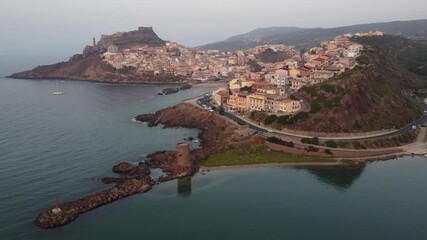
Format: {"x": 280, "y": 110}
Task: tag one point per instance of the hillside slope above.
{"x": 304, "y": 38}
{"x": 369, "y": 98}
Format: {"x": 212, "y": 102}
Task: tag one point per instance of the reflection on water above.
{"x": 339, "y": 177}
{"x": 184, "y": 186}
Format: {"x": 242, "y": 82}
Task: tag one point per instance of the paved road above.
{"x": 290, "y": 136}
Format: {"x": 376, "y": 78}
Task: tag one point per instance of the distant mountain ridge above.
{"x": 308, "y": 37}
{"x": 264, "y": 32}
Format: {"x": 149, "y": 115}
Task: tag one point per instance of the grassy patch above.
{"x": 258, "y": 155}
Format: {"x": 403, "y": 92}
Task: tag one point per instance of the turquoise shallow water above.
{"x": 60, "y": 146}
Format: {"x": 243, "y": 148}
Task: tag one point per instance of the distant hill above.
{"x": 304, "y": 38}
{"x": 264, "y": 32}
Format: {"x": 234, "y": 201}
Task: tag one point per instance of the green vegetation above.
{"x": 363, "y": 60}
{"x": 245, "y": 89}
{"x": 315, "y": 106}
{"x": 328, "y": 151}
{"x": 258, "y": 117}
{"x": 276, "y": 121}
{"x": 313, "y": 141}
{"x": 312, "y": 149}
{"x": 257, "y": 155}
{"x": 331, "y": 144}
{"x": 410, "y": 56}
{"x": 293, "y": 97}
{"x": 280, "y": 142}
{"x": 395, "y": 141}
{"x": 324, "y": 96}
{"x": 270, "y": 119}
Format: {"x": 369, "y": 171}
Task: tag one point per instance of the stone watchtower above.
{"x": 183, "y": 155}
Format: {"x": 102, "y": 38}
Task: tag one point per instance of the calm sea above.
{"x": 60, "y": 146}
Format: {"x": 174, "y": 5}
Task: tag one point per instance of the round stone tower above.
{"x": 183, "y": 154}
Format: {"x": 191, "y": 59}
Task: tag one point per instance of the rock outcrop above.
{"x": 217, "y": 135}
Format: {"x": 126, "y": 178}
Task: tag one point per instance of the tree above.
{"x": 331, "y": 144}
{"x": 270, "y": 119}
{"x": 315, "y": 106}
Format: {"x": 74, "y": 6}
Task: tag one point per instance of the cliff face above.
{"x": 89, "y": 65}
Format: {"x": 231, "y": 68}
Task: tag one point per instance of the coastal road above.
{"x": 291, "y": 136}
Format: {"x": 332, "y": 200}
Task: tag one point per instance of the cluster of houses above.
{"x": 266, "y": 87}
{"x": 271, "y": 91}
{"x": 193, "y": 64}
{"x": 243, "y": 96}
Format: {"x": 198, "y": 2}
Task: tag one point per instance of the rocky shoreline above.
{"x": 216, "y": 135}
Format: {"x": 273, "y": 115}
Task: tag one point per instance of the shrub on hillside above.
{"x": 331, "y": 144}
{"x": 279, "y": 141}
{"x": 313, "y": 141}
{"x": 270, "y": 119}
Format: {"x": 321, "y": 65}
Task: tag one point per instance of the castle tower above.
{"x": 94, "y": 42}
{"x": 183, "y": 154}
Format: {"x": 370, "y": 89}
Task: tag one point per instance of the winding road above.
{"x": 291, "y": 136}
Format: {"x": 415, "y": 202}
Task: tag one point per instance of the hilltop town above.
{"x": 263, "y": 78}
{"x": 273, "y": 89}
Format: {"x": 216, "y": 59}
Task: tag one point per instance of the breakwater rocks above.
{"x": 133, "y": 179}
{"x": 168, "y": 91}
{"x": 69, "y": 211}
{"x": 185, "y": 87}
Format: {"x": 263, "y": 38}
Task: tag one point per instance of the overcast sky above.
{"x": 64, "y": 26}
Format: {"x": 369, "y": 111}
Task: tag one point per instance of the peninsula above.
{"x": 356, "y": 98}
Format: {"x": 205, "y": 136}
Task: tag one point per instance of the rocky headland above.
{"x": 217, "y": 134}
{"x": 89, "y": 65}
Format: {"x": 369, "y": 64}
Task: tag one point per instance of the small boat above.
{"x": 57, "y": 92}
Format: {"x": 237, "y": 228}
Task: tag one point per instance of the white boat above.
{"x": 57, "y": 92}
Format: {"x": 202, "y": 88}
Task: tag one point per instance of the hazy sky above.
{"x": 64, "y": 26}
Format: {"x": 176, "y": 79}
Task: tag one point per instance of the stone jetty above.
{"x": 69, "y": 211}
{"x": 133, "y": 179}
